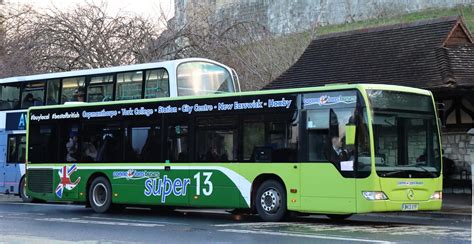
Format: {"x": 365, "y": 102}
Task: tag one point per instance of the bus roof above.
{"x": 332, "y": 87}
{"x": 48, "y": 76}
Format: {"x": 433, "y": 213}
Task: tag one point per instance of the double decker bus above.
{"x": 183, "y": 77}
{"x": 335, "y": 150}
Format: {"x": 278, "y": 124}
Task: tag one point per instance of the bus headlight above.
{"x": 374, "y": 195}
{"x": 437, "y": 195}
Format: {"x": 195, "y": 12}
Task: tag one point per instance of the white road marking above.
{"x": 84, "y": 221}
{"x": 136, "y": 220}
{"x": 389, "y": 229}
{"x": 41, "y": 204}
{"x": 261, "y": 232}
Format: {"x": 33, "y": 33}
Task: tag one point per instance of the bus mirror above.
{"x": 350, "y": 134}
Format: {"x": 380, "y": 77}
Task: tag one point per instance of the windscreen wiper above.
{"x": 432, "y": 174}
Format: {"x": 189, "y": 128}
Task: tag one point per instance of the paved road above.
{"x": 62, "y": 223}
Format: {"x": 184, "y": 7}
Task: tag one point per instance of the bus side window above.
{"x": 177, "y": 142}
{"x": 16, "y": 148}
{"x": 42, "y": 144}
{"x": 143, "y": 143}
{"x": 216, "y": 139}
{"x": 270, "y": 138}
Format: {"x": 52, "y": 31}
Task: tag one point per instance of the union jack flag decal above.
{"x": 65, "y": 179}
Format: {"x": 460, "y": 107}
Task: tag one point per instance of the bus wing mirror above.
{"x": 350, "y": 134}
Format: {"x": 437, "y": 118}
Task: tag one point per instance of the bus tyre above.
{"x": 270, "y": 201}
{"x": 338, "y": 217}
{"x": 22, "y": 191}
{"x": 100, "y": 195}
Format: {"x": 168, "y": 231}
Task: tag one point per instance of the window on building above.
{"x": 10, "y": 96}
{"x": 16, "y": 148}
{"x": 216, "y": 139}
{"x": 156, "y": 83}
{"x": 100, "y": 88}
{"x": 73, "y": 90}
{"x": 129, "y": 85}
{"x": 32, "y": 94}
{"x": 52, "y": 91}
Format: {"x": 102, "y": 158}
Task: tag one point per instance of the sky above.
{"x": 147, "y": 8}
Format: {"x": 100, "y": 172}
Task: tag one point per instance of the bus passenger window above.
{"x": 177, "y": 144}
{"x": 42, "y": 144}
{"x": 73, "y": 89}
{"x": 156, "y": 83}
{"x": 52, "y": 92}
{"x": 100, "y": 89}
{"x": 9, "y": 96}
{"x": 16, "y": 148}
{"x": 32, "y": 94}
{"x": 101, "y": 143}
{"x": 254, "y": 138}
{"x": 129, "y": 85}
{"x": 143, "y": 144}
{"x": 270, "y": 138}
{"x": 216, "y": 139}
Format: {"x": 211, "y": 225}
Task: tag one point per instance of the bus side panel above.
{"x": 289, "y": 173}
{"x": 325, "y": 190}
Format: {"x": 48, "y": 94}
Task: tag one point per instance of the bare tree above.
{"x": 86, "y": 37}
{"x": 258, "y": 55}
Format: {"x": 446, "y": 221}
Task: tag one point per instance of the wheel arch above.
{"x": 258, "y": 181}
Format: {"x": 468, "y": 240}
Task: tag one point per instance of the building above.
{"x": 435, "y": 54}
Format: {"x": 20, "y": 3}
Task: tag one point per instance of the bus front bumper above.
{"x": 398, "y": 206}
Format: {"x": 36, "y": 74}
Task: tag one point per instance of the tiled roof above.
{"x": 414, "y": 54}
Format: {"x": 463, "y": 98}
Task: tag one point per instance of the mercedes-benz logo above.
{"x": 410, "y": 194}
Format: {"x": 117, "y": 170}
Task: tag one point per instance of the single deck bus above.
{"x": 335, "y": 150}
{"x": 182, "y": 77}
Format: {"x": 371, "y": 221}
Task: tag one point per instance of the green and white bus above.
{"x": 334, "y": 150}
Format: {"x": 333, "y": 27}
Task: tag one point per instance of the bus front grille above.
{"x": 40, "y": 180}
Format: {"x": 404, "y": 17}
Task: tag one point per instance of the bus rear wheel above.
{"x": 100, "y": 195}
{"x": 270, "y": 201}
{"x": 22, "y": 191}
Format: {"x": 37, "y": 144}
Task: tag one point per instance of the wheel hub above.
{"x": 270, "y": 201}
{"x": 99, "y": 195}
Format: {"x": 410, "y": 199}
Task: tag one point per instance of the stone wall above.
{"x": 457, "y": 147}
{"x": 289, "y": 16}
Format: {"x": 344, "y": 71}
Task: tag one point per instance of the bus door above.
{"x": 175, "y": 154}
{"x": 327, "y": 170}
{"x": 14, "y": 167}
{"x": 3, "y": 160}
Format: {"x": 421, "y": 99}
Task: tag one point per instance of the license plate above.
{"x": 409, "y": 207}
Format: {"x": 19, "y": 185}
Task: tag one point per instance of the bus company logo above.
{"x": 410, "y": 194}
{"x": 410, "y": 183}
{"x": 65, "y": 182}
{"x": 133, "y": 174}
{"x": 326, "y": 100}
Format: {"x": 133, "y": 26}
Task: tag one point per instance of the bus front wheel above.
{"x": 100, "y": 195}
{"x": 22, "y": 191}
{"x": 270, "y": 201}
